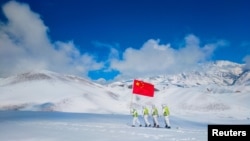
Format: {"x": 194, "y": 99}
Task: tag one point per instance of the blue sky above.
{"x": 117, "y": 39}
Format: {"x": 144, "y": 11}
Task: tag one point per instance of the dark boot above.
{"x": 167, "y": 127}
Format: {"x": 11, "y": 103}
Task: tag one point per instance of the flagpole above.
{"x": 131, "y": 101}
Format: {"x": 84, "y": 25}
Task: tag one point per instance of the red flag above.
{"x": 143, "y": 88}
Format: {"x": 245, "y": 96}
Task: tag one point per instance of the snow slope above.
{"x": 49, "y": 91}
{"x": 217, "y": 88}
{"x": 57, "y": 126}
{"x": 52, "y": 126}
{"x": 67, "y": 107}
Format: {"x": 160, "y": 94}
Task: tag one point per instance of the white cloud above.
{"x": 154, "y": 58}
{"x": 24, "y": 45}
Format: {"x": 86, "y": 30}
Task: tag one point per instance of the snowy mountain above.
{"x": 218, "y": 88}
{"x": 50, "y": 91}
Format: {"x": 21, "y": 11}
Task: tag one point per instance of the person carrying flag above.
{"x": 155, "y": 115}
{"x": 135, "y": 118}
{"x": 145, "y": 113}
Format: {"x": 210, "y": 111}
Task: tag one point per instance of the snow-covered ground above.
{"x": 58, "y": 126}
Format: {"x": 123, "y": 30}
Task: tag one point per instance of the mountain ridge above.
{"x": 44, "y": 90}
{"x": 223, "y": 73}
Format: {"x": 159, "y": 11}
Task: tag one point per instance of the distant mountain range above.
{"x": 188, "y": 91}
{"x": 219, "y": 73}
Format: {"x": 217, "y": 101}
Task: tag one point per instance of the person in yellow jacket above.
{"x": 155, "y": 116}
{"x": 135, "y": 118}
{"x": 166, "y": 113}
{"x": 145, "y": 113}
